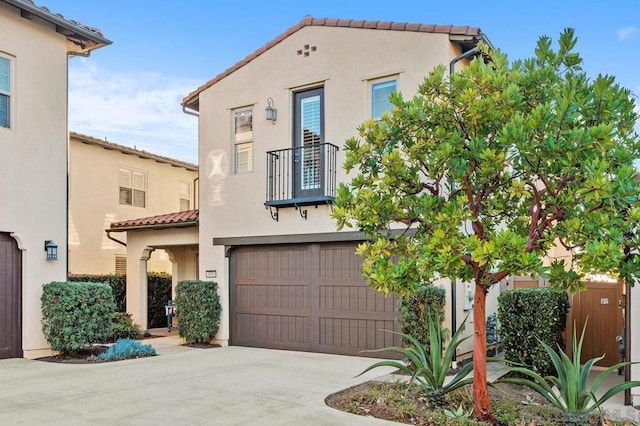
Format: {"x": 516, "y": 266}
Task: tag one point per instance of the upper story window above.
{"x": 185, "y": 196}
{"x": 380, "y": 92}
{"x": 133, "y": 187}
{"x": 243, "y": 140}
{"x": 5, "y": 91}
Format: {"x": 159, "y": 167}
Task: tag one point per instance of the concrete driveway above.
{"x": 183, "y": 386}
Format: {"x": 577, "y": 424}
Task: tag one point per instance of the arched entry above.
{"x": 10, "y": 298}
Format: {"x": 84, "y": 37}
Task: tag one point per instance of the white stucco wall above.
{"x": 94, "y": 204}
{"x": 344, "y": 62}
{"x": 34, "y": 160}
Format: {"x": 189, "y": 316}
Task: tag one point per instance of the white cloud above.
{"x": 627, "y": 33}
{"x": 141, "y": 109}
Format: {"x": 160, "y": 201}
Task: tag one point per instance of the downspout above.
{"x": 470, "y": 52}
{"x": 190, "y": 112}
{"x": 109, "y": 231}
{"x": 81, "y": 54}
{"x": 196, "y": 181}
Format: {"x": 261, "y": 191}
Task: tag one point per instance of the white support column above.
{"x": 137, "y": 287}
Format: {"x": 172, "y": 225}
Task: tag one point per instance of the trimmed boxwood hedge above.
{"x": 416, "y": 310}
{"x": 198, "y": 309}
{"x": 158, "y": 293}
{"x": 76, "y": 314}
{"x": 528, "y": 316}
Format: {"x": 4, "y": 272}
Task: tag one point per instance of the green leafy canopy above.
{"x": 484, "y": 172}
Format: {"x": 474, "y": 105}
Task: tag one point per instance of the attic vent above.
{"x": 306, "y": 50}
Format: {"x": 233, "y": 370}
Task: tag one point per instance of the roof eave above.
{"x": 188, "y": 224}
{"x": 82, "y": 37}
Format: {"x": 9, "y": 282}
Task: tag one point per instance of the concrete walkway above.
{"x": 188, "y": 386}
{"x": 183, "y": 386}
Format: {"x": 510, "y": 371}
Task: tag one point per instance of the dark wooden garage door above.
{"x": 308, "y": 297}
{"x": 10, "y": 298}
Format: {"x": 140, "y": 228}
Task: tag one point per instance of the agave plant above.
{"x": 428, "y": 366}
{"x": 569, "y": 391}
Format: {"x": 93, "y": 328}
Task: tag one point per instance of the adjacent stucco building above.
{"x": 110, "y": 182}
{"x": 35, "y": 46}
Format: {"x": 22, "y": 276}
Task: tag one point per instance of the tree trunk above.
{"x": 482, "y": 407}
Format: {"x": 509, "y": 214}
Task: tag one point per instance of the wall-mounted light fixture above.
{"x": 52, "y": 249}
{"x": 272, "y": 113}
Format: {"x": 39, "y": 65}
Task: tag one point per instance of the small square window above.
{"x": 243, "y": 140}
{"x": 121, "y": 265}
{"x": 244, "y": 157}
{"x": 380, "y": 102}
{"x": 133, "y": 187}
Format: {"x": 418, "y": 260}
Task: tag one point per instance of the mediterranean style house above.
{"x": 35, "y": 46}
{"x": 109, "y": 182}
{"x": 271, "y": 129}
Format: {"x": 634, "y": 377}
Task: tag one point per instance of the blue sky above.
{"x": 130, "y": 92}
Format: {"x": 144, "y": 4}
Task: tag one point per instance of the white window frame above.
{"x": 10, "y": 93}
{"x": 136, "y": 189}
{"x": 185, "y": 195}
{"x": 242, "y": 142}
{"x": 372, "y": 87}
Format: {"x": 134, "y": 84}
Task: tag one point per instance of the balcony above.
{"x": 301, "y": 176}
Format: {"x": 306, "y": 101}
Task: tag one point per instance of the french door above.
{"x": 308, "y": 136}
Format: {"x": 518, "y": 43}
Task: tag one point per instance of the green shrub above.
{"x": 75, "y": 315}
{"x": 527, "y": 318}
{"x": 118, "y": 285}
{"x": 415, "y": 311}
{"x": 198, "y": 309}
{"x": 124, "y": 327}
{"x": 125, "y": 349}
{"x": 158, "y": 293}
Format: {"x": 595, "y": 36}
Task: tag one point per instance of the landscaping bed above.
{"x": 513, "y": 405}
{"x": 79, "y": 357}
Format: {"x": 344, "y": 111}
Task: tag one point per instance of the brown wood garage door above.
{"x": 308, "y": 297}
{"x": 10, "y": 298}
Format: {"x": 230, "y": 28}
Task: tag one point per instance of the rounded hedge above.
{"x": 76, "y": 314}
{"x": 198, "y": 310}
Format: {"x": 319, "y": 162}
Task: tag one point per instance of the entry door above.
{"x": 10, "y": 298}
{"x": 308, "y": 135}
{"x": 600, "y": 306}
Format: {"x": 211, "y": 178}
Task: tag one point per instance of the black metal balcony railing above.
{"x": 301, "y": 176}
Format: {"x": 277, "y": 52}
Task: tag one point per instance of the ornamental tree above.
{"x": 480, "y": 174}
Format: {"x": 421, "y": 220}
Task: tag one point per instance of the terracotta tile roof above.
{"x": 132, "y": 151}
{"x": 83, "y": 35}
{"x": 178, "y": 219}
{"x": 309, "y": 21}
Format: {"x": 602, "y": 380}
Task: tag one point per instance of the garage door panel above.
{"x": 320, "y": 285}
{"x": 283, "y": 331}
{"x": 271, "y": 296}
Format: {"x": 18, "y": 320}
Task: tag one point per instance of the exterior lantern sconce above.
{"x": 52, "y": 250}
{"x": 272, "y": 113}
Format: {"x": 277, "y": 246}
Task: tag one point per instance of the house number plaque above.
{"x": 604, "y": 301}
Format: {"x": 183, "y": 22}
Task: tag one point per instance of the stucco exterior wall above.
{"x": 34, "y": 160}
{"x": 94, "y": 204}
{"x": 342, "y": 60}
